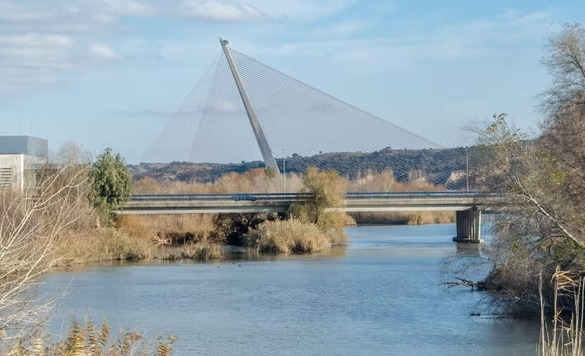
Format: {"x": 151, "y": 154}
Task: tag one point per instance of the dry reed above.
{"x": 566, "y": 335}
{"x": 92, "y": 340}
{"x": 287, "y": 236}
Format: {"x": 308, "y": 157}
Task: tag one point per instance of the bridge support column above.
{"x": 468, "y": 226}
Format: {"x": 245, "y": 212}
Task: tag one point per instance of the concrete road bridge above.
{"x": 466, "y": 205}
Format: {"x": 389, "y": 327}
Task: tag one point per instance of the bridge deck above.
{"x": 258, "y": 203}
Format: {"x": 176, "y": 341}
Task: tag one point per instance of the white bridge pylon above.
{"x": 267, "y": 156}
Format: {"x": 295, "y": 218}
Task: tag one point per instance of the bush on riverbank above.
{"x": 287, "y": 236}
{"x": 171, "y": 230}
{"x": 327, "y": 190}
{"x": 107, "y": 244}
{"x": 200, "y": 251}
{"x": 333, "y": 224}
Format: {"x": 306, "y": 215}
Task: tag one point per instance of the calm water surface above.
{"x": 380, "y": 295}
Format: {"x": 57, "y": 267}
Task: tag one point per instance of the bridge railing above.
{"x": 300, "y": 196}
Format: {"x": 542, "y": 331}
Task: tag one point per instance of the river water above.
{"x": 380, "y": 295}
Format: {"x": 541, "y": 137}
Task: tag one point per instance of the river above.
{"x": 380, "y": 295}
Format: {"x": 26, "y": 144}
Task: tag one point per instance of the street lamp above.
{"x": 467, "y": 167}
{"x": 283, "y": 173}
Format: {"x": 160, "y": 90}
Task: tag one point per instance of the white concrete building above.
{"x": 20, "y": 158}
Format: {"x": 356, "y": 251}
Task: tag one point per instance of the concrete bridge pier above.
{"x": 468, "y": 226}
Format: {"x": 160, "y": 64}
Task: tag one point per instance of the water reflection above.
{"x": 468, "y": 250}
{"x": 235, "y": 254}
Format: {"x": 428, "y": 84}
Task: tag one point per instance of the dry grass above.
{"x": 386, "y": 182}
{"x": 333, "y": 226}
{"x": 253, "y": 181}
{"x": 287, "y": 236}
{"x": 105, "y": 244}
{"x": 170, "y": 229}
{"x": 430, "y": 217}
{"x": 410, "y": 218}
{"x": 257, "y": 181}
{"x": 200, "y": 251}
{"x": 91, "y": 340}
{"x": 566, "y": 335}
{"x": 143, "y": 238}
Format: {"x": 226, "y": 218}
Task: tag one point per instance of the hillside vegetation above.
{"x": 443, "y": 167}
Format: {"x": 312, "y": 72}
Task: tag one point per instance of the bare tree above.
{"x": 540, "y": 225}
{"x": 32, "y": 228}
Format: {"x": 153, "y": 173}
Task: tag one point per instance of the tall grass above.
{"x": 142, "y": 238}
{"x": 176, "y": 229}
{"x": 106, "y": 244}
{"x": 565, "y": 338}
{"x": 253, "y": 181}
{"x": 174, "y": 237}
{"x": 91, "y": 340}
{"x": 287, "y": 236}
{"x": 406, "y": 218}
{"x": 386, "y": 182}
{"x": 258, "y": 181}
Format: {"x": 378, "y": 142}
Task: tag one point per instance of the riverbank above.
{"x": 202, "y": 237}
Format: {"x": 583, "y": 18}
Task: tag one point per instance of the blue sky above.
{"x": 108, "y": 73}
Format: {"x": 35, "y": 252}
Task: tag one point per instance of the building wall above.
{"x": 27, "y": 145}
{"x": 18, "y": 170}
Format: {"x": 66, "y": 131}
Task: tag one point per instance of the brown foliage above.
{"x": 253, "y": 181}
{"x": 32, "y": 226}
{"x": 541, "y": 223}
{"x": 287, "y": 236}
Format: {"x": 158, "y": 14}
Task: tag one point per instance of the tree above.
{"x": 71, "y": 153}
{"x": 541, "y": 225}
{"x": 111, "y": 182}
{"x": 326, "y": 188}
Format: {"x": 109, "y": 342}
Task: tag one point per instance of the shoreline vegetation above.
{"x": 201, "y": 236}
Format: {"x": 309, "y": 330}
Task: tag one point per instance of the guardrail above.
{"x": 300, "y": 196}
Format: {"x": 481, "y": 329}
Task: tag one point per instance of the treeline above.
{"x": 444, "y": 167}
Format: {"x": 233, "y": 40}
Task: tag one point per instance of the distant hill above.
{"x": 443, "y": 167}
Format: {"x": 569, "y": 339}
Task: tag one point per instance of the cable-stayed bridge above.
{"x": 244, "y": 110}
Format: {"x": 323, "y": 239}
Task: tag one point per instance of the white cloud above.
{"x": 15, "y": 12}
{"x": 101, "y": 52}
{"x": 302, "y": 10}
{"x": 41, "y": 42}
{"x": 221, "y": 11}
{"x": 35, "y": 60}
{"x": 129, "y": 7}
{"x": 449, "y": 42}
{"x": 36, "y": 40}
